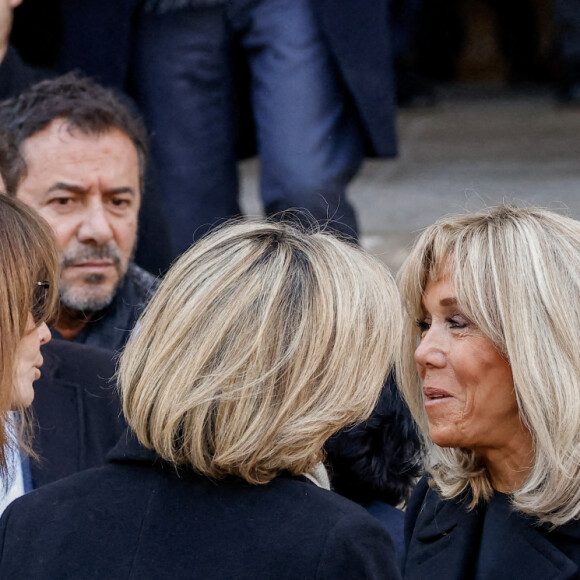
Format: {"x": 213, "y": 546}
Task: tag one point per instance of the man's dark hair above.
{"x": 82, "y": 103}
{"x": 11, "y": 162}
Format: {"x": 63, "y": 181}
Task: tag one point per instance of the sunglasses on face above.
{"x": 41, "y": 292}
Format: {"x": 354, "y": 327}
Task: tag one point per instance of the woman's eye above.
{"x": 423, "y": 325}
{"x": 457, "y": 322}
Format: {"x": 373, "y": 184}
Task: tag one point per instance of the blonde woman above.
{"x": 491, "y": 372}
{"x": 261, "y": 342}
{"x": 28, "y": 293}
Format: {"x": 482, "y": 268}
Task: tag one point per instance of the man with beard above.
{"x": 83, "y": 165}
{"x": 76, "y": 409}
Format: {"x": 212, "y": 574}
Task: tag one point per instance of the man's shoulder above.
{"x": 77, "y": 362}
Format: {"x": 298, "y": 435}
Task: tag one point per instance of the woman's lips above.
{"x": 435, "y": 396}
{"x": 37, "y": 366}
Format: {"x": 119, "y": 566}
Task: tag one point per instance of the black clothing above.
{"x": 76, "y": 410}
{"x": 139, "y": 517}
{"x": 492, "y": 541}
{"x": 16, "y": 76}
{"x": 378, "y": 462}
{"x": 379, "y": 459}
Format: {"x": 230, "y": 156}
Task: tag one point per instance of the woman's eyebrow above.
{"x": 448, "y": 301}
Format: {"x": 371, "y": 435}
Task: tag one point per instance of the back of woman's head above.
{"x": 516, "y": 273}
{"x": 28, "y": 255}
{"x": 260, "y": 343}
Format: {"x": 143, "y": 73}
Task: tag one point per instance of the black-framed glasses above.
{"x": 41, "y": 292}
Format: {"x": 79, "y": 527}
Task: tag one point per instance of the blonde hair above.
{"x": 28, "y": 255}
{"x": 261, "y": 342}
{"x": 516, "y": 273}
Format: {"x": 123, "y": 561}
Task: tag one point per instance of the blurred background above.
{"x": 488, "y": 94}
{"x": 480, "y": 121}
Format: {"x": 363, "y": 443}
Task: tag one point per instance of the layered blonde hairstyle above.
{"x": 516, "y": 273}
{"x": 28, "y": 255}
{"x": 261, "y": 342}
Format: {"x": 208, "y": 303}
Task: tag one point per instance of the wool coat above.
{"x": 77, "y": 412}
{"x": 444, "y": 541}
{"x": 141, "y": 518}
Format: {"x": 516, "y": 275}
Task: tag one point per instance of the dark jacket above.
{"x": 446, "y": 541}
{"x": 76, "y": 409}
{"x": 378, "y": 462}
{"x": 379, "y": 459}
{"x": 360, "y": 40}
{"x": 140, "y": 518}
{"x": 16, "y": 76}
{"x": 110, "y": 328}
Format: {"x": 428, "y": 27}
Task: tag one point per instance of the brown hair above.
{"x": 28, "y": 254}
{"x": 82, "y": 103}
{"x": 12, "y": 164}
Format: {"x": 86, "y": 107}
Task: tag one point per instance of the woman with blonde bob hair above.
{"x": 491, "y": 373}
{"x": 261, "y": 342}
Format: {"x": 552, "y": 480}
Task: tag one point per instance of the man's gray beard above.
{"x": 77, "y": 299}
{"x": 82, "y": 299}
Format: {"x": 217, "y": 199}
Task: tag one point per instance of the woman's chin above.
{"x": 22, "y": 398}
{"x": 444, "y": 439}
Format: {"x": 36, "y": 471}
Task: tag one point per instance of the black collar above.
{"x": 446, "y": 542}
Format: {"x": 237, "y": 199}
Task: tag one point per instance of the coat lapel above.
{"x": 517, "y": 547}
{"x": 443, "y": 540}
{"x": 446, "y": 543}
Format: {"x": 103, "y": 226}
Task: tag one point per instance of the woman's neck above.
{"x": 508, "y": 465}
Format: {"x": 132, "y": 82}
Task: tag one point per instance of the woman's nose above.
{"x": 431, "y": 351}
{"x": 44, "y": 333}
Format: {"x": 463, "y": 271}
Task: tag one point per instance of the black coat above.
{"x": 77, "y": 411}
{"x": 360, "y": 40}
{"x": 16, "y": 76}
{"x": 139, "y": 518}
{"x": 443, "y": 542}
{"x": 378, "y": 462}
{"x": 379, "y": 459}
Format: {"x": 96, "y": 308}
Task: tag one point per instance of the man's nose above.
{"x": 431, "y": 351}
{"x": 95, "y": 226}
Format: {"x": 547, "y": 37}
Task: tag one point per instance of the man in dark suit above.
{"x": 56, "y": 37}
{"x": 322, "y": 95}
